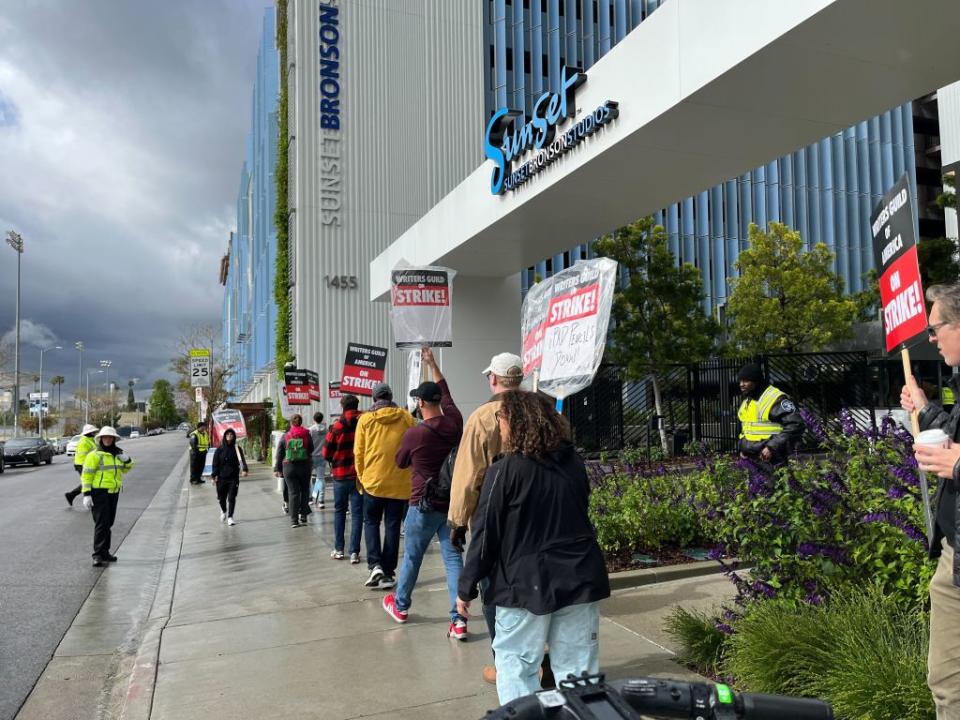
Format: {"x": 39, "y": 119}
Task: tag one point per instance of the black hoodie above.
{"x": 532, "y": 536}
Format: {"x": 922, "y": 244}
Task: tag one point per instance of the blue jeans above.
{"x": 573, "y": 633}
{"x": 420, "y": 529}
{"x": 320, "y": 482}
{"x": 389, "y": 511}
{"x": 345, "y": 491}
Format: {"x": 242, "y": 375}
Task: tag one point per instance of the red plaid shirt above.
{"x": 338, "y": 447}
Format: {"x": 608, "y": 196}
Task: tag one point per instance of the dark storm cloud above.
{"x": 122, "y": 128}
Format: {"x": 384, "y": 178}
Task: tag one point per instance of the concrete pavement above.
{"x": 257, "y": 620}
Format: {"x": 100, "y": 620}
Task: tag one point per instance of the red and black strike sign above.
{"x": 363, "y": 369}
{"x": 313, "y": 385}
{"x": 574, "y": 304}
{"x": 894, "y": 242}
{"x": 421, "y": 307}
{"x": 297, "y": 386}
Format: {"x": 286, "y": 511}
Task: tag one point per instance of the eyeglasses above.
{"x": 932, "y": 329}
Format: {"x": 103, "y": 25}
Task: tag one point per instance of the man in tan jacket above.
{"x": 479, "y": 447}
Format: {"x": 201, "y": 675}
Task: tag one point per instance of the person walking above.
{"x": 199, "y": 444}
{"x": 943, "y": 660}
{"x": 386, "y": 487}
{"x": 101, "y": 481}
{"x": 770, "y": 424}
{"x": 84, "y": 446}
{"x": 318, "y": 433}
{"x": 480, "y": 445}
{"x": 533, "y": 540}
{"x": 293, "y": 465}
{"x": 426, "y": 448}
{"x": 338, "y": 451}
{"x": 229, "y": 465}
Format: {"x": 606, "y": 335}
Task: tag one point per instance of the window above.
{"x": 509, "y": 59}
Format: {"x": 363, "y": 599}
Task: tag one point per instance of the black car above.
{"x": 21, "y": 451}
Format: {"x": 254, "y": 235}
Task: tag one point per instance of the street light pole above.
{"x": 15, "y": 241}
{"x": 86, "y": 412}
{"x": 40, "y": 413}
{"x": 106, "y": 364}
{"x": 79, "y": 347}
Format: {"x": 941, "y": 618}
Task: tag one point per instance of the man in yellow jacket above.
{"x": 385, "y": 487}
{"x": 101, "y": 480}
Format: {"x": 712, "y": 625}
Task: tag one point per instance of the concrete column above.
{"x": 486, "y": 321}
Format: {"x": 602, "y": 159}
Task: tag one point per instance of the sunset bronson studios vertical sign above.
{"x": 508, "y": 139}
{"x": 331, "y": 115}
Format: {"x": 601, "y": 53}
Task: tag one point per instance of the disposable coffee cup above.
{"x": 933, "y": 438}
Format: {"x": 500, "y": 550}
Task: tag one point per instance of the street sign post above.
{"x": 200, "y": 367}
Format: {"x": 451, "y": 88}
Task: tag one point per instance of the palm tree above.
{"x": 57, "y": 382}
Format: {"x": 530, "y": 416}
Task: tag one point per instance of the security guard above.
{"x": 199, "y": 444}
{"x": 84, "y": 447}
{"x": 770, "y": 424}
{"x": 102, "y": 480}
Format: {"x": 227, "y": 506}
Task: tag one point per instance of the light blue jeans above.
{"x": 320, "y": 482}
{"x": 573, "y": 634}
{"x": 420, "y": 529}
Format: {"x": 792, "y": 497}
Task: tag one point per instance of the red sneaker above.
{"x": 458, "y": 630}
{"x": 390, "y": 607}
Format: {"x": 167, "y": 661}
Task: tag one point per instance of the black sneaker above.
{"x": 294, "y": 524}
{"x": 386, "y": 582}
{"x": 303, "y": 519}
{"x": 70, "y": 498}
{"x": 374, "y": 580}
{"x": 99, "y": 562}
{"x": 110, "y": 558}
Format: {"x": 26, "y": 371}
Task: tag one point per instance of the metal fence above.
{"x": 700, "y": 402}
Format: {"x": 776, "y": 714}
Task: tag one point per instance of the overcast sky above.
{"x": 122, "y": 127}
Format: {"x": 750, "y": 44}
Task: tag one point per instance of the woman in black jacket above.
{"x": 532, "y": 538}
{"x": 229, "y": 465}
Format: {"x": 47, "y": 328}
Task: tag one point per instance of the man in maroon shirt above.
{"x": 425, "y": 447}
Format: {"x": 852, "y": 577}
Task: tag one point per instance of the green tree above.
{"x": 789, "y": 300}
{"x": 131, "y": 400}
{"x": 658, "y": 310}
{"x": 163, "y": 410}
{"x": 203, "y": 336}
{"x": 938, "y": 256}
{"x": 281, "y": 217}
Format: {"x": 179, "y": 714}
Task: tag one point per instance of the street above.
{"x": 45, "y": 570}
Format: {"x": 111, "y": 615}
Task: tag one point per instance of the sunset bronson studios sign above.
{"x": 507, "y": 140}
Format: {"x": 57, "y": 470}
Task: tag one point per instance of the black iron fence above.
{"x": 699, "y": 402}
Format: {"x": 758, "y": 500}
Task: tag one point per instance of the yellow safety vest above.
{"x": 104, "y": 471}
{"x": 85, "y": 446}
{"x": 203, "y": 441}
{"x": 755, "y": 416}
{"x": 947, "y": 396}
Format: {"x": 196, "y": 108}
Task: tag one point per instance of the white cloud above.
{"x": 32, "y": 333}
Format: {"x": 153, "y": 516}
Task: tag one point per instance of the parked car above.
{"x": 23, "y": 451}
{"x": 72, "y": 445}
{"x": 134, "y": 434}
{"x": 59, "y": 444}
{"x": 155, "y": 431}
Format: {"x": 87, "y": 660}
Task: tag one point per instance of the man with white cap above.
{"x": 101, "y": 480}
{"x": 84, "y": 446}
{"x": 479, "y": 447}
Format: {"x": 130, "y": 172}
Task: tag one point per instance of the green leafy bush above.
{"x": 702, "y": 643}
{"x": 862, "y": 651}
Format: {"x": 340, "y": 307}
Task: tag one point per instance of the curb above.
{"x": 137, "y": 700}
{"x": 651, "y": 576}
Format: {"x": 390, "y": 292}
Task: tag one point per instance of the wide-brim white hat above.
{"x": 106, "y": 430}
{"x": 88, "y": 428}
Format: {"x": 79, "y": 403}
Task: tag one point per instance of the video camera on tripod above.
{"x": 590, "y": 697}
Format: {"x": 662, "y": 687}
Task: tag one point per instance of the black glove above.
{"x": 458, "y": 536}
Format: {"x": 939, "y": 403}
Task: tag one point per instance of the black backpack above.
{"x": 436, "y": 491}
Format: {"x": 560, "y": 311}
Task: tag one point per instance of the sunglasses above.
{"x": 932, "y": 329}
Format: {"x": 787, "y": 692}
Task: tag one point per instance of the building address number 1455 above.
{"x": 341, "y": 282}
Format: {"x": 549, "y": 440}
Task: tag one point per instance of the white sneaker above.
{"x": 375, "y": 574}
{"x": 284, "y": 509}
{"x": 337, "y": 554}
{"x": 231, "y": 521}
{"x": 354, "y": 558}
{"x": 223, "y": 516}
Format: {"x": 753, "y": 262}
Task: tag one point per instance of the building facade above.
{"x": 826, "y": 190}
{"x": 385, "y": 108}
{"x": 247, "y": 270}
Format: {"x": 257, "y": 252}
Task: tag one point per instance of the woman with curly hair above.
{"x": 533, "y": 540}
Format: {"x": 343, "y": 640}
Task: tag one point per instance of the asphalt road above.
{"x": 45, "y": 546}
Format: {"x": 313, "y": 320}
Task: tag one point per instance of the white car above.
{"x": 134, "y": 434}
{"x": 72, "y": 445}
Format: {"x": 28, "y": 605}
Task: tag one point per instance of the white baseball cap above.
{"x": 505, "y": 365}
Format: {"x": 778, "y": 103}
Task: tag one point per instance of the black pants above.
{"x": 296, "y": 478}
{"x": 227, "y": 494}
{"x": 104, "y": 513}
{"x": 390, "y": 512}
{"x": 197, "y": 461}
{"x": 77, "y": 490}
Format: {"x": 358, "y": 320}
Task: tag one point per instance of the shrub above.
{"x": 862, "y": 651}
{"x": 701, "y": 642}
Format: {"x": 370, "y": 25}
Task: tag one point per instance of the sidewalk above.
{"x": 263, "y": 623}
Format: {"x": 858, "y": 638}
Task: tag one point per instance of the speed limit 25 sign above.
{"x": 200, "y": 368}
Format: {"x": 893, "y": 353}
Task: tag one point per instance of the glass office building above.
{"x": 826, "y": 190}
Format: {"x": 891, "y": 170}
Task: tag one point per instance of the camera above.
{"x": 590, "y": 697}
